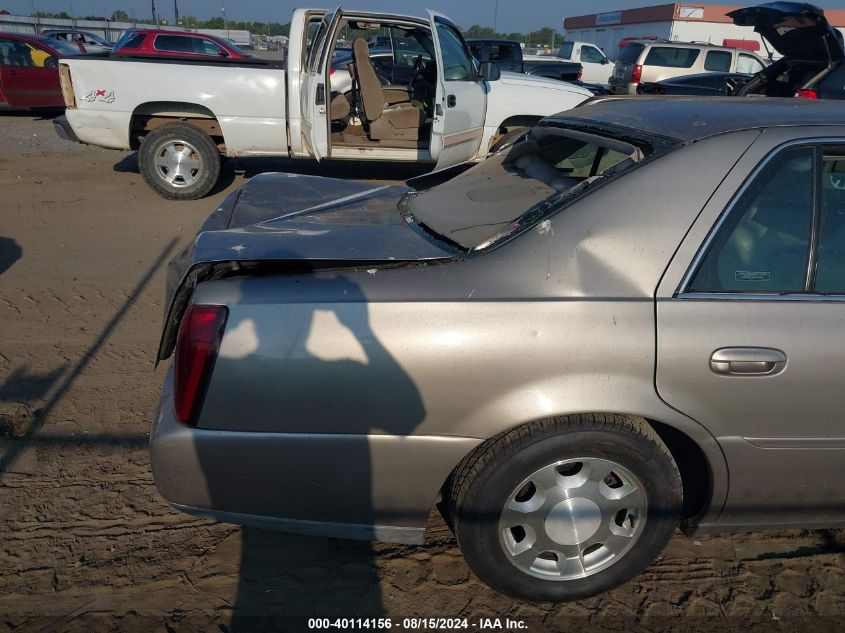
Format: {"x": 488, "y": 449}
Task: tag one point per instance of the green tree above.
{"x": 120, "y": 16}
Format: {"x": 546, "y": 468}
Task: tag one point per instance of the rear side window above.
{"x": 566, "y": 50}
{"x": 173, "y": 43}
{"x": 630, "y": 53}
{"x": 501, "y": 54}
{"x": 671, "y": 57}
{"x": 764, "y": 244}
{"x": 718, "y": 61}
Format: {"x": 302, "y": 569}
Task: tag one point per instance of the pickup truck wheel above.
{"x": 566, "y": 508}
{"x": 179, "y": 161}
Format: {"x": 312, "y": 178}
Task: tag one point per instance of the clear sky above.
{"x": 513, "y": 15}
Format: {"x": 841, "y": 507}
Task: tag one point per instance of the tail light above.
{"x": 580, "y": 73}
{"x": 636, "y": 74}
{"x": 806, "y": 94}
{"x": 196, "y": 350}
{"x": 67, "y": 86}
{"x": 331, "y": 72}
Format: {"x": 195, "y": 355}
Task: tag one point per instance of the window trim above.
{"x": 816, "y": 144}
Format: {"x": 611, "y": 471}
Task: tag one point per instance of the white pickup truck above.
{"x": 184, "y": 114}
{"x": 596, "y": 67}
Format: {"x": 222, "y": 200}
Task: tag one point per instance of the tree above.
{"x": 120, "y": 16}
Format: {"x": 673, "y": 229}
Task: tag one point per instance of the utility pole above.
{"x": 176, "y": 12}
{"x": 495, "y": 16}
{"x": 225, "y": 23}
{"x": 155, "y": 17}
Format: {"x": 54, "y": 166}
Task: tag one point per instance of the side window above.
{"x": 670, "y": 57}
{"x": 718, "y": 61}
{"x": 591, "y": 55}
{"x": 830, "y": 261}
{"x": 207, "y": 47}
{"x": 566, "y": 50}
{"x": 457, "y": 61}
{"x": 477, "y": 51}
{"x": 748, "y": 64}
{"x": 39, "y": 57}
{"x": 7, "y": 53}
{"x": 501, "y": 54}
{"x": 173, "y": 44}
{"x": 764, "y": 243}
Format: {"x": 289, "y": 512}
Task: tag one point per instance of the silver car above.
{"x": 625, "y": 322}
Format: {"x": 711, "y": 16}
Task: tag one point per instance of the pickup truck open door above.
{"x": 460, "y": 103}
{"x": 314, "y": 92}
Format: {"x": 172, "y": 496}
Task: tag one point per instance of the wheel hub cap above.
{"x": 572, "y": 518}
{"x": 178, "y": 163}
{"x": 573, "y": 521}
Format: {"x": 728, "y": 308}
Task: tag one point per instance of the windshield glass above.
{"x": 479, "y": 204}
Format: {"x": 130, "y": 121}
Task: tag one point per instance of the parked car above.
{"x": 704, "y": 84}
{"x": 91, "y": 42}
{"x": 177, "y": 44}
{"x": 29, "y": 70}
{"x": 596, "y": 66}
{"x": 651, "y": 61}
{"x": 813, "y": 52}
{"x": 572, "y": 369}
{"x": 181, "y": 116}
{"x": 507, "y": 55}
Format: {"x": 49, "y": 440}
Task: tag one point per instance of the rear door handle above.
{"x": 747, "y": 361}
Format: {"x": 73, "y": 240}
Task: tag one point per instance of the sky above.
{"x": 512, "y": 15}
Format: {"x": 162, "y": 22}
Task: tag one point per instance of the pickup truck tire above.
{"x": 179, "y": 161}
{"x": 566, "y": 508}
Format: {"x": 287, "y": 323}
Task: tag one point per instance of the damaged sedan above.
{"x": 621, "y": 323}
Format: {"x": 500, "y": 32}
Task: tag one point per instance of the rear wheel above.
{"x": 179, "y": 161}
{"x": 566, "y": 508}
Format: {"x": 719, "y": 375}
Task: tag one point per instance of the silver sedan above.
{"x": 626, "y": 321}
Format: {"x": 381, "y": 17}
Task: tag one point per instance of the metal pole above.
{"x": 34, "y": 14}
{"x": 155, "y": 17}
{"x": 495, "y": 16}
{"x": 176, "y": 12}
{"x": 225, "y": 23}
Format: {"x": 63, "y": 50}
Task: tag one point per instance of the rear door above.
{"x": 460, "y": 103}
{"x": 27, "y": 83}
{"x": 750, "y": 317}
{"x": 314, "y": 95}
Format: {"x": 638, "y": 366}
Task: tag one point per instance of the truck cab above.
{"x": 594, "y": 63}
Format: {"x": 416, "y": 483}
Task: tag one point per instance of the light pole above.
{"x": 176, "y": 12}
{"x": 495, "y": 16}
{"x": 155, "y": 17}
{"x": 225, "y": 23}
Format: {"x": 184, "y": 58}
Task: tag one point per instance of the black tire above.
{"x": 485, "y": 479}
{"x": 173, "y": 184}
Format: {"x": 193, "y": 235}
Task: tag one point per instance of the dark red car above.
{"x": 177, "y": 44}
{"x": 29, "y": 70}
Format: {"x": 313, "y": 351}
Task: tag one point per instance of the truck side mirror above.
{"x": 605, "y": 60}
{"x": 490, "y": 71}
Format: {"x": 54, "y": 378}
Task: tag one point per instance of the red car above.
{"x": 29, "y": 70}
{"x": 177, "y": 44}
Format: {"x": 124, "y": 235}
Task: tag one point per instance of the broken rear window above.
{"x": 480, "y": 204}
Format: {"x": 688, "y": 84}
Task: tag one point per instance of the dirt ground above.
{"x": 87, "y": 544}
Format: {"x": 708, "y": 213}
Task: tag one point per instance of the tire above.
{"x": 179, "y": 161}
{"x": 566, "y": 508}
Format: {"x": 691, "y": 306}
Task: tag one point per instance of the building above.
{"x": 674, "y": 22}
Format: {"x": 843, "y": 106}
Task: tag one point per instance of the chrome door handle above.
{"x": 747, "y": 361}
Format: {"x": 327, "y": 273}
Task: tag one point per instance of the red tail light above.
{"x": 196, "y": 350}
{"x": 636, "y": 74}
{"x": 580, "y": 72}
{"x": 806, "y": 94}
{"x": 331, "y": 72}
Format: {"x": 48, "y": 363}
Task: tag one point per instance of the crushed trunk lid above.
{"x": 297, "y": 223}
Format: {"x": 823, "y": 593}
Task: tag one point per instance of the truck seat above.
{"x": 384, "y": 120}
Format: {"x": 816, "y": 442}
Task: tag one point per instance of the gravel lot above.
{"x": 87, "y": 543}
